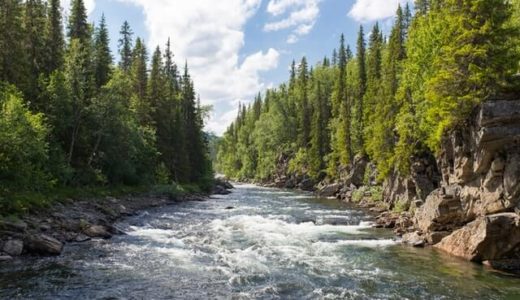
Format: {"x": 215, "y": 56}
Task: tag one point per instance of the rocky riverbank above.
{"x": 72, "y": 221}
{"x": 465, "y": 200}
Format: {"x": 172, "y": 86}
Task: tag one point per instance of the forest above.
{"x": 71, "y": 118}
{"x": 390, "y": 99}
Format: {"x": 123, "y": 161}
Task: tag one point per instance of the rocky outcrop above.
{"x": 411, "y": 191}
{"x": 492, "y": 237}
{"x": 480, "y": 187}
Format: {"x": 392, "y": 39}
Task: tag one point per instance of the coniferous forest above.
{"x": 388, "y": 98}
{"x": 71, "y": 118}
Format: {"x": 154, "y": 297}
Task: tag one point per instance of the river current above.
{"x": 256, "y": 243}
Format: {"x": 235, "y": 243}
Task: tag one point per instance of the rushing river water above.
{"x": 273, "y": 244}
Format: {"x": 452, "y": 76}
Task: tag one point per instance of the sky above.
{"x": 237, "y": 48}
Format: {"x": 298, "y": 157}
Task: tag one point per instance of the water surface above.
{"x": 256, "y": 243}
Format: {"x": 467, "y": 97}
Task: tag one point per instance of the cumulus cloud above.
{"x": 210, "y": 36}
{"x": 89, "y": 4}
{"x": 372, "y": 10}
{"x": 297, "y": 15}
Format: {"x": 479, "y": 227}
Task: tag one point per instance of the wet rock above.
{"x": 43, "y": 244}
{"x": 436, "y": 236}
{"x": 387, "y": 220}
{"x": 306, "y": 184}
{"x": 97, "y": 231}
{"x": 219, "y": 190}
{"x": 329, "y": 190}
{"x": 506, "y": 265}
{"x": 18, "y": 225}
{"x": 230, "y": 207}
{"x": 414, "y": 239}
{"x": 487, "y": 238}
{"x": 5, "y": 258}
{"x": 80, "y": 238}
{"x": 13, "y": 247}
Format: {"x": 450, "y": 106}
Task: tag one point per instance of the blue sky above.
{"x": 236, "y": 48}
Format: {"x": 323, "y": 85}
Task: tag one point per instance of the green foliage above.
{"x": 79, "y": 122}
{"x": 23, "y": 147}
{"x": 392, "y": 102}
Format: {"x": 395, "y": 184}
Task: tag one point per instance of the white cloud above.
{"x": 89, "y": 4}
{"x": 210, "y": 36}
{"x": 372, "y": 10}
{"x": 298, "y": 15}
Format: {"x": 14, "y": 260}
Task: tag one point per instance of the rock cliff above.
{"x": 478, "y": 199}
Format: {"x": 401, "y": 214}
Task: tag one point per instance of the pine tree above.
{"x": 102, "y": 55}
{"x": 359, "y": 105}
{"x": 78, "y": 27}
{"x": 139, "y": 77}
{"x": 12, "y": 53}
{"x": 304, "y": 108}
{"x": 125, "y": 47}
{"x": 34, "y": 46}
{"x": 54, "y": 38}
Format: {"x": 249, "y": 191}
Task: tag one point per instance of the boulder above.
{"x": 5, "y": 258}
{"x": 492, "y": 237}
{"x": 441, "y": 211}
{"x": 306, "y": 184}
{"x": 414, "y": 239}
{"x": 43, "y": 244}
{"x": 220, "y": 190}
{"x": 329, "y": 190}
{"x": 18, "y": 225}
{"x": 356, "y": 175}
{"x": 97, "y": 231}
{"x": 13, "y": 247}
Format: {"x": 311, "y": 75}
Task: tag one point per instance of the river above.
{"x": 257, "y": 243}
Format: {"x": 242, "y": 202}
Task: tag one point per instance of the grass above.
{"x": 16, "y": 204}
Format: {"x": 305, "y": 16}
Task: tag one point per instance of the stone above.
{"x": 506, "y": 265}
{"x": 329, "y": 190}
{"x": 306, "y": 185}
{"x": 414, "y": 239}
{"x": 512, "y": 178}
{"x": 230, "y": 207}
{"x": 13, "y": 247}
{"x": 97, "y": 231}
{"x": 80, "y": 238}
{"x": 4, "y": 258}
{"x": 219, "y": 190}
{"x": 439, "y": 213}
{"x": 13, "y": 225}
{"x": 436, "y": 236}
{"x": 492, "y": 237}
{"x": 356, "y": 175}
{"x": 43, "y": 244}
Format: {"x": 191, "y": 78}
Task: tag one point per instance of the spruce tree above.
{"x": 54, "y": 38}
{"x": 102, "y": 55}
{"x": 125, "y": 47}
{"x": 359, "y": 106}
{"x": 78, "y": 27}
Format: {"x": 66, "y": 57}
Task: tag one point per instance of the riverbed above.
{"x": 256, "y": 243}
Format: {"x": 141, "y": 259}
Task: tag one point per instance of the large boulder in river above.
{"x": 492, "y": 237}
{"x": 42, "y": 244}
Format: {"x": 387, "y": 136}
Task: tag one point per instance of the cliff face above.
{"x": 477, "y": 204}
